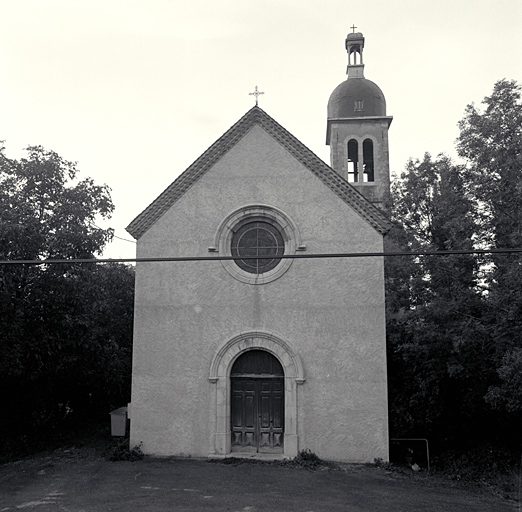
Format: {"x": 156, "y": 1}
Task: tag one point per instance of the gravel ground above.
{"x": 74, "y": 481}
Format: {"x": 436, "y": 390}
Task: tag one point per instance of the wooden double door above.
{"x": 257, "y": 404}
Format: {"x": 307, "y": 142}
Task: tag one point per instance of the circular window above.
{"x": 257, "y": 237}
{"x": 258, "y": 245}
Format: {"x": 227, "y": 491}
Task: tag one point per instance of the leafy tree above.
{"x": 65, "y": 329}
{"x": 491, "y": 142}
{"x": 46, "y": 211}
{"x": 454, "y": 322}
{"x": 431, "y": 204}
{"x": 434, "y": 308}
{"x": 508, "y": 395}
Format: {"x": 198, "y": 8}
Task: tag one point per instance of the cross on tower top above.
{"x": 256, "y": 93}
{"x": 353, "y": 27}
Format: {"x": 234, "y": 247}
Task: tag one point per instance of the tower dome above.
{"x": 356, "y": 97}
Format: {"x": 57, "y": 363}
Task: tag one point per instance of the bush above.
{"x": 123, "y": 452}
{"x": 307, "y": 459}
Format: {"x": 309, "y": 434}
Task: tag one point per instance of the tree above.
{"x": 434, "y": 308}
{"x": 491, "y": 142}
{"x": 455, "y": 322}
{"x": 46, "y": 211}
{"x": 66, "y": 329}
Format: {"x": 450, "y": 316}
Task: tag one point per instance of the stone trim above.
{"x": 220, "y": 387}
{"x": 223, "y": 237}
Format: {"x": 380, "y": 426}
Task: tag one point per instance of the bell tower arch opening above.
{"x": 368, "y": 169}
{"x": 353, "y": 161}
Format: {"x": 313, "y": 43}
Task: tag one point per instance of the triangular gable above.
{"x": 310, "y": 160}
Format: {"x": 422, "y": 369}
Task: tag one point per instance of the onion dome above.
{"x": 356, "y": 97}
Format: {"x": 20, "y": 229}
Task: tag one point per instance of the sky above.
{"x": 135, "y": 90}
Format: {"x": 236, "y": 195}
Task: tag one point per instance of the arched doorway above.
{"x": 257, "y": 403}
{"x": 221, "y": 394}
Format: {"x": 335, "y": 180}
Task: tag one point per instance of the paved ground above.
{"x": 72, "y": 485}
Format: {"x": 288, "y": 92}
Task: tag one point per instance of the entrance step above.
{"x": 252, "y": 456}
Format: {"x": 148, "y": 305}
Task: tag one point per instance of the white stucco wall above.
{"x": 331, "y": 311}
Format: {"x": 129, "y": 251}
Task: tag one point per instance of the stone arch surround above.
{"x": 270, "y": 214}
{"x": 220, "y": 382}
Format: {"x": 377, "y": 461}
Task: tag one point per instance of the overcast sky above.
{"x": 136, "y": 90}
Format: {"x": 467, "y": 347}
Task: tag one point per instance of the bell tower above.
{"x": 357, "y": 128}
{"x": 354, "y": 46}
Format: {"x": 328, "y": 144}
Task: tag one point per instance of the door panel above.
{"x": 278, "y": 411}
{"x": 243, "y": 415}
{"x": 270, "y": 421}
{"x": 250, "y": 411}
{"x": 257, "y": 414}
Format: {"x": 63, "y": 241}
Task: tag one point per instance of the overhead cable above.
{"x": 284, "y": 256}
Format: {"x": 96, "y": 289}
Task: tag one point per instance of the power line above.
{"x": 284, "y": 256}
{"x": 114, "y": 236}
{"x": 124, "y": 239}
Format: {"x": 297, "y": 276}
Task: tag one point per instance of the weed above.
{"x": 307, "y": 459}
{"x": 383, "y": 464}
{"x": 122, "y": 451}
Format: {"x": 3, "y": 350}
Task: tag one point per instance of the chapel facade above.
{"x": 261, "y": 348}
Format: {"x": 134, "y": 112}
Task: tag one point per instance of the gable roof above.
{"x": 373, "y": 215}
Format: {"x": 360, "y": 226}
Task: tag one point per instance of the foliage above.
{"x": 454, "y": 321}
{"x": 66, "y": 329}
{"x": 508, "y": 395}
{"x": 46, "y": 211}
{"x": 123, "y": 452}
{"x": 383, "y": 464}
{"x": 478, "y": 463}
{"x": 307, "y": 459}
{"x": 491, "y": 142}
{"x": 433, "y": 302}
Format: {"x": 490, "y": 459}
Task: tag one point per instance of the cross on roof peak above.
{"x": 353, "y": 27}
{"x": 256, "y": 93}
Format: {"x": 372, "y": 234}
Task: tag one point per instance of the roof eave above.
{"x": 369, "y": 212}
